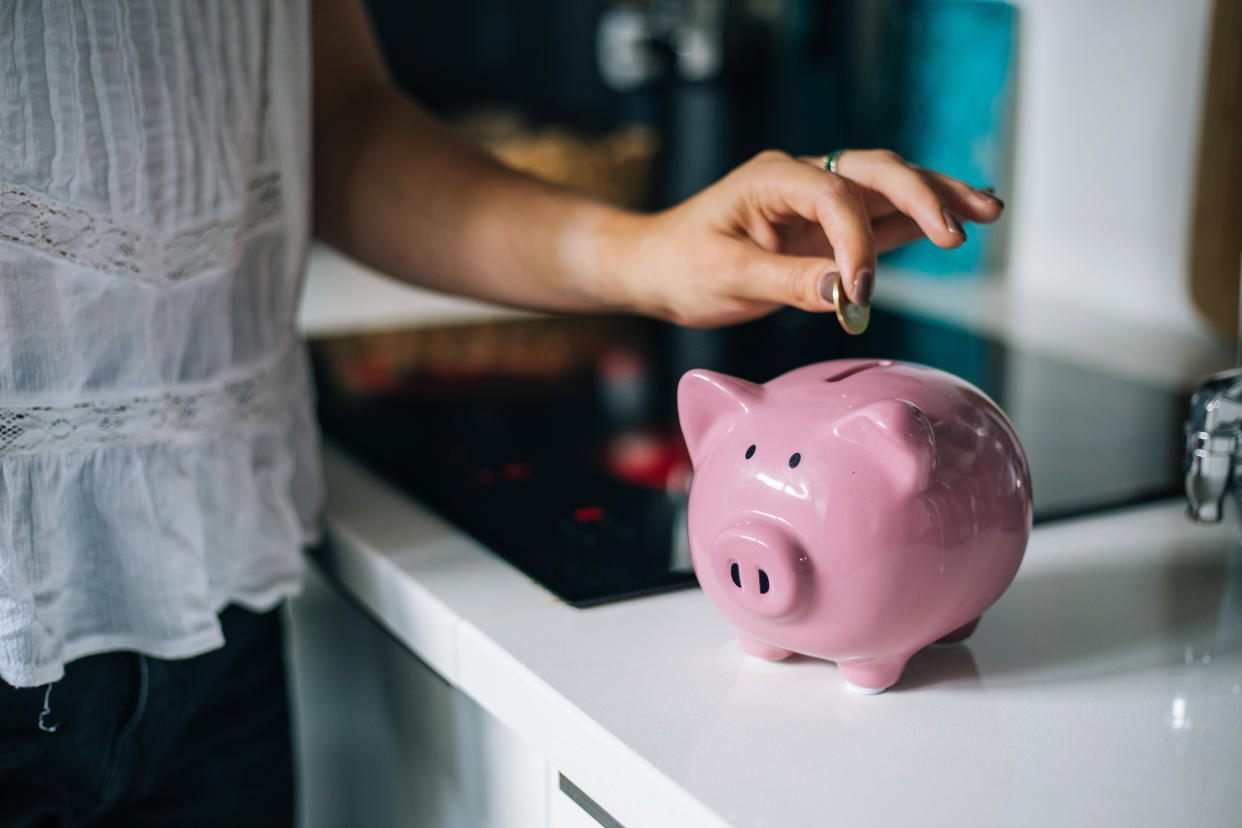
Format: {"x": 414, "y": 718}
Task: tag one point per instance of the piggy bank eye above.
{"x": 750, "y": 452}
{"x": 794, "y": 460}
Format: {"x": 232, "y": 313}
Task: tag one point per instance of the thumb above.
{"x": 800, "y": 281}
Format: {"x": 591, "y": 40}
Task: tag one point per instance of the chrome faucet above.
{"x": 1213, "y": 441}
{"x": 1213, "y": 447}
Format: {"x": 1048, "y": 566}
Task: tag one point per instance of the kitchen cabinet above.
{"x": 383, "y": 740}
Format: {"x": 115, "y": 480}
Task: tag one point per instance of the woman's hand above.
{"x": 777, "y": 230}
{"x": 397, "y": 191}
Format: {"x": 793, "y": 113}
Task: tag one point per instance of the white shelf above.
{"x": 342, "y": 296}
{"x": 1095, "y": 337}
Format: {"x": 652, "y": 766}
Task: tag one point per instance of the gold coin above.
{"x": 853, "y": 318}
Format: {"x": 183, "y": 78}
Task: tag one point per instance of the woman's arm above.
{"x": 396, "y": 190}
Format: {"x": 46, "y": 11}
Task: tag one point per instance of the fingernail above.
{"x": 864, "y": 284}
{"x": 990, "y": 194}
{"x": 951, "y": 222}
{"x": 825, "y": 286}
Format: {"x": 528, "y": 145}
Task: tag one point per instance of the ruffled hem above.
{"x": 189, "y": 646}
{"x": 140, "y": 546}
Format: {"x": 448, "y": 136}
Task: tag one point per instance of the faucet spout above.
{"x": 1212, "y": 443}
{"x": 1209, "y": 473}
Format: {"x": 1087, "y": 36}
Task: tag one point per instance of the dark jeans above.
{"x": 139, "y": 741}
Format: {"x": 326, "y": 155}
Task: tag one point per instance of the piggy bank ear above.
{"x": 704, "y": 400}
{"x": 898, "y": 440}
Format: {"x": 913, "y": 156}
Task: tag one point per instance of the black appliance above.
{"x": 531, "y": 469}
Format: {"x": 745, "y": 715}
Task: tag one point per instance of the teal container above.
{"x": 946, "y": 103}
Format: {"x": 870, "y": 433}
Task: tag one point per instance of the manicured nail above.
{"x": 864, "y": 284}
{"x": 825, "y": 286}
{"x": 990, "y": 194}
{"x": 951, "y": 222}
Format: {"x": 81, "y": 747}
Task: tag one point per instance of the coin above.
{"x": 853, "y": 318}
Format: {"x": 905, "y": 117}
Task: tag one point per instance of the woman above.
{"x": 160, "y": 174}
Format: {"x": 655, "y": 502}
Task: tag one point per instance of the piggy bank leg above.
{"x": 870, "y": 676}
{"x": 960, "y": 634}
{"x": 762, "y": 649}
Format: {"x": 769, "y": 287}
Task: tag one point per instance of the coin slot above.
{"x": 855, "y": 369}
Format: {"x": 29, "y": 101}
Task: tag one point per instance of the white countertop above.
{"x": 1104, "y": 339}
{"x": 343, "y": 296}
{"x": 1105, "y": 688}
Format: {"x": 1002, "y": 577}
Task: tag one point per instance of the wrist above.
{"x": 609, "y": 254}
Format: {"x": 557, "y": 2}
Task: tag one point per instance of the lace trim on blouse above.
{"x": 37, "y": 221}
{"x": 187, "y": 408}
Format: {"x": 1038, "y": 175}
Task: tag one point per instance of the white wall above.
{"x": 1109, "y": 96}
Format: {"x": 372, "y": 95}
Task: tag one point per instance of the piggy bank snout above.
{"x": 760, "y": 568}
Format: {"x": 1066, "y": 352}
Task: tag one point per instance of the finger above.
{"x": 877, "y": 205}
{"x": 964, "y": 200}
{"x": 800, "y": 281}
{"x": 894, "y": 231}
{"x": 806, "y": 281}
{"x": 806, "y": 238}
{"x": 834, "y": 203}
{"x": 886, "y": 172}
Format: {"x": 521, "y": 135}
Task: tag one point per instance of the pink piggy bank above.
{"x": 854, "y": 510}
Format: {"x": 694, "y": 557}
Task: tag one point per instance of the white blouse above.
{"x": 158, "y": 453}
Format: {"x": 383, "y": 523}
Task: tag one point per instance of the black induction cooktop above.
{"x": 574, "y": 471}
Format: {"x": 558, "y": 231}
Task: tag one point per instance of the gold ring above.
{"x": 831, "y": 159}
